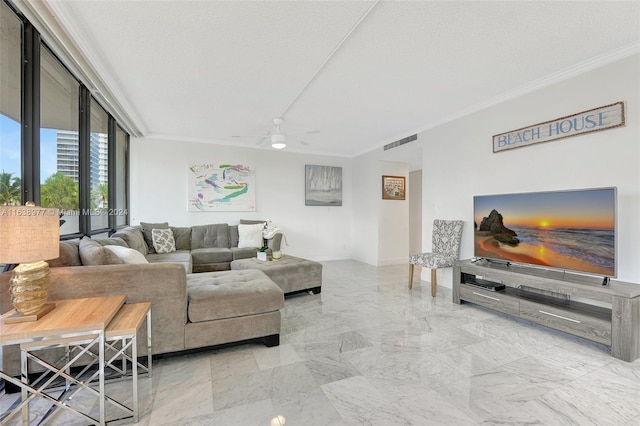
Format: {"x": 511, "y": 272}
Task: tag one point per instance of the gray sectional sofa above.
{"x": 207, "y": 247}
{"x": 189, "y": 310}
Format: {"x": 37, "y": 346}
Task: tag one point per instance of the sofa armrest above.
{"x": 162, "y": 284}
{"x": 275, "y": 242}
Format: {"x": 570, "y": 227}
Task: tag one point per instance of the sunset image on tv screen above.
{"x": 572, "y": 230}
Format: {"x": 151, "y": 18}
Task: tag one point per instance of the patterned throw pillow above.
{"x": 163, "y": 240}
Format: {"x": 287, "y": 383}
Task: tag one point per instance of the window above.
{"x": 99, "y": 167}
{"x": 58, "y": 146}
{"x": 59, "y": 156}
{"x": 120, "y": 178}
{"x": 10, "y": 107}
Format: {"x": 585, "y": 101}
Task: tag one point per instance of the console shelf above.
{"x": 547, "y": 297}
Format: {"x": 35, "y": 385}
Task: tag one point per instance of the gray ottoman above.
{"x": 292, "y": 274}
{"x": 232, "y": 306}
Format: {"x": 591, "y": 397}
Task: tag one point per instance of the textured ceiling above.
{"x": 207, "y": 70}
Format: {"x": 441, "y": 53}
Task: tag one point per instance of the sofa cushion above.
{"x": 69, "y": 254}
{"x": 132, "y": 235}
{"x": 182, "y": 236}
{"x": 250, "y": 235}
{"x": 229, "y": 294}
{"x": 211, "y": 255}
{"x": 163, "y": 241}
{"x": 215, "y": 235}
{"x": 251, "y": 221}
{"x": 233, "y": 236}
{"x": 93, "y": 253}
{"x": 243, "y": 253}
{"x": 127, "y": 255}
{"x": 179, "y": 256}
{"x": 113, "y": 241}
{"x": 146, "y": 233}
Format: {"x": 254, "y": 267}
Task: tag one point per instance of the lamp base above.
{"x": 29, "y": 287}
{"x": 17, "y": 317}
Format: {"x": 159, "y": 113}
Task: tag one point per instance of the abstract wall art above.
{"x": 221, "y": 187}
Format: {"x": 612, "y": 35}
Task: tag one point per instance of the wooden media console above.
{"x": 572, "y": 303}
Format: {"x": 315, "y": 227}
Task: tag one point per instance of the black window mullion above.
{"x": 30, "y": 114}
{"x": 84, "y": 153}
{"x": 128, "y": 178}
{"x": 111, "y": 167}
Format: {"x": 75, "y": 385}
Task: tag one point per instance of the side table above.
{"x": 80, "y": 319}
{"x": 120, "y": 337}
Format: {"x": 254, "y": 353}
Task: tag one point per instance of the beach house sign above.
{"x": 593, "y": 120}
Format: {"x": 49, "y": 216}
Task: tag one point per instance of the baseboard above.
{"x": 396, "y": 261}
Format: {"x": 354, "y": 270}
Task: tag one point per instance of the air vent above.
{"x": 400, "y": 142}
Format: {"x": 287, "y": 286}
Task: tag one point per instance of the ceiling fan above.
{"x": 277, "y": 138}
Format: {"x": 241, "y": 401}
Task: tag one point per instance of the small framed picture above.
{"x": 393, "y": 188}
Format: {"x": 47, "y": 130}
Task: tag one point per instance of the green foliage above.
{"x": 59, "y": 191}
{"x": 100, "y": 196}
{"x": 10, "y": 189}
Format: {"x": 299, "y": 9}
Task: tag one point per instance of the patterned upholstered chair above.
{"x": 445, "y": 250}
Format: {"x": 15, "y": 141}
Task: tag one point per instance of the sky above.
{"x": 593, "y": 208}
{"x": 10, "y": 148}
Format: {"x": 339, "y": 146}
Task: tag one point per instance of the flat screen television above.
{"x": 570, "y": 230}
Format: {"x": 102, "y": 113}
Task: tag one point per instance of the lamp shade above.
{"x": 28, "y": 234}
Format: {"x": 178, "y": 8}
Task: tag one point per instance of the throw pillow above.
{"x": 92, "y": 253}
{"x": 163, "y": 241}
{"x": 250, "y": 235}
{"x": 127, "y": 255}
{"x": 69, "y": 254}
{"x": 182, "y": 236}
{"x": 146, "y": 232}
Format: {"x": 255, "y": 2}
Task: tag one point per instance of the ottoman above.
{"x": 292, "y": 274}
{"x": 232, "y": 306}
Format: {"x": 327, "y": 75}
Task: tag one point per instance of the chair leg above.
{"x": 410, "y": 276}
{"x": 434, "y": 284}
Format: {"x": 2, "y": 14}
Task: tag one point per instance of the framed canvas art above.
{"x": 221, "y": 187}
{"x": 323, "y": 186}
{"x": 393, "y": 187}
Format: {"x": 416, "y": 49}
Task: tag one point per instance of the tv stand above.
{"x": 547, "y": 297}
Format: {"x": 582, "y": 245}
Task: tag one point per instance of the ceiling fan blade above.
{"x": 249, "y": 136}
{"x": 308, "y": 132}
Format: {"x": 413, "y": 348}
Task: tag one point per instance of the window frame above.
{"x": 30, "y": 92}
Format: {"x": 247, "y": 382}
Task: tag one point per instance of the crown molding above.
{"x": 556, "y": 77}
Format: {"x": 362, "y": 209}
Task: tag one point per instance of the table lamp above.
{"x": 28, "y": 236}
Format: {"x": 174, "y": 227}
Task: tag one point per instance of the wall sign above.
{"x": 593, "y": 120}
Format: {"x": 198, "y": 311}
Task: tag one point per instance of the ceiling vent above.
{"x": 400, "y": 142}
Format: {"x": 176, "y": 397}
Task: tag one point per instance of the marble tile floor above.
{"x": 369, "y": 351}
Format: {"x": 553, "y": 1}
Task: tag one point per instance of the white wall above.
{"x": 393, "y": 221}
{"x": 366, "y": 192}
{"x": 458, "y": 161}
{"x": 380, "y": 229}
{"x": 159, "y": 193}
{"x": 415, "y": 211}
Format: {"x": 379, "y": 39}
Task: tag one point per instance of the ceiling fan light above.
{"x": 278, "y": 141}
